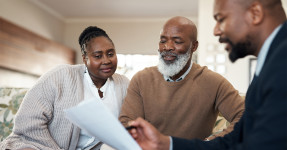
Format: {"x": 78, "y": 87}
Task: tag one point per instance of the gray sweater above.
{"x": 40, "y": 122}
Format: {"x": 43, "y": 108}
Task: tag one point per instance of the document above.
{"x": 95, "y": 118}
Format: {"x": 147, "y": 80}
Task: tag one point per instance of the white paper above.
{"x": 94, "y": 117}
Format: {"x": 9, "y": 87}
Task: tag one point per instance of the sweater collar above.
{"x": 168, "y": 79}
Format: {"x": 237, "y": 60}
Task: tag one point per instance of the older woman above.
{"x": 40, "y": 121}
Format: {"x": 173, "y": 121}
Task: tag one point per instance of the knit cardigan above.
{"x": 40, "y": 122}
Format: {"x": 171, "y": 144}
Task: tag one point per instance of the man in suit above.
{"x": 248, "y": 27}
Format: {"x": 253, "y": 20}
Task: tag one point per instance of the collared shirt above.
{"x": 264, "y": 50}
{"x": 109, "y": 99}
{"x": 168, "y": 79}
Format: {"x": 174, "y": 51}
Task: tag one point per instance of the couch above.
{"x": 10, "y": 100}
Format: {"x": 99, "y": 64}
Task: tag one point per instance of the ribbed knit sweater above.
{"x": 40, "y": 122}
{"x": 186, "y": 109}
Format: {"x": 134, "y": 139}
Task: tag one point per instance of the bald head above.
{"x": 183, "y": 23}
{"x": 272, "y": 7}
{"x": 178, "y": 41}
{"x": 265, "y": 3}
{"x": 273, "y": 10}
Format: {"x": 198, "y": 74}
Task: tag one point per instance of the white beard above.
{"x": 175, "y": 67}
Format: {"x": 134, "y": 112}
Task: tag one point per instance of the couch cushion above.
{"x": 10, "y": 100}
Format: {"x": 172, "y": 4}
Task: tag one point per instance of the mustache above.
{"x": 225, "y": 40}
{"x": 164, "y": 53}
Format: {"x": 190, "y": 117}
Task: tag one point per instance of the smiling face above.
{"x": 233, "y": 28}
{"x": 101, "y": 59}
{"x": 177, "y": 43}
{"x": 174, "y": 40}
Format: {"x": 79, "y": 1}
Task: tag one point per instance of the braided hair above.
{"x": 89, "y": 33}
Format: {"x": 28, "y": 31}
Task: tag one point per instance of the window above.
{"x": 130, "y": 64}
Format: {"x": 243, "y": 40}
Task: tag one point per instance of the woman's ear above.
{"x": 84, "y": 58}
{"x": 256, "y": 13}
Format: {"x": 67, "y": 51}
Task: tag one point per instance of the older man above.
{"x": 261, "y": 30}
{"x": 179, "y": 97}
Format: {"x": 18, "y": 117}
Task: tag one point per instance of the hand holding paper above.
{"x": 94, "y": 117}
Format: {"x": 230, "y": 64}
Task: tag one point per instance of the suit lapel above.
{"x": 281, "y": 35}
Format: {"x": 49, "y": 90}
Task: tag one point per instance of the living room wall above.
{"x": 31, "y": 17}
{"x": 130, "y": 36}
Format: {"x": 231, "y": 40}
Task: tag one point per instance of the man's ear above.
{"x": 194, "y": 46}
{"x": 256, "y": 13}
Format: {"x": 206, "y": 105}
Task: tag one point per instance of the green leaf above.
{"x": 216, "y": 123}
{"x": 3, "y": 105}
{"x": 6, "y": 114}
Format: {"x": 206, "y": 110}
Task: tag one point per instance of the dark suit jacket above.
{"x": 264, "y": 123}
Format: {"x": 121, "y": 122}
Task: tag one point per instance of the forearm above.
{"x": 19, "y": 142}
{"x": 132, "y": 107}
{"x": 231, "y": 106}
{"x": 31, "y": 122}
{"x": 130, "y": 111}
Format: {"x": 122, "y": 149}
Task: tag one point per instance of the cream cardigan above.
{"x": 40, "y": 121}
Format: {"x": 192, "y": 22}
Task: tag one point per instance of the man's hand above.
{"x": 147, "y": 136}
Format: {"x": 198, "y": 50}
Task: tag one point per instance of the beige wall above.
{"x": 135, "y": 36}
{"x": 130, "y": 36}
{"x": 284, "y": 2}
{"x": 237, "y": 73}
{"x": 31, "y": 17}
{"x": 285, "y": 5}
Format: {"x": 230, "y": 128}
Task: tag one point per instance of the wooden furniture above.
{"x": 24, "y": 51}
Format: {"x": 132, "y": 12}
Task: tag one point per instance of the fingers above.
{"x": 133, "y": 133}
{"x": 147, "y": 136}
{"x": 139, "y": 125}
{"x": 139, "y": 122}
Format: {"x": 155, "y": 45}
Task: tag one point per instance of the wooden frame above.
{"x": 27, "y": 52}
